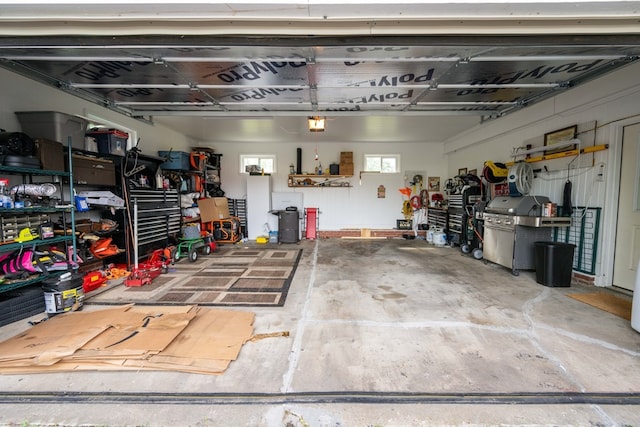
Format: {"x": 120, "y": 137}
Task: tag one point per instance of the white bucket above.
{"x": 439, "y": 238}
{"x": 430, "y": 233}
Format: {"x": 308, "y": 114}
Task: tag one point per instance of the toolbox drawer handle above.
{"x": 98, "y": 166}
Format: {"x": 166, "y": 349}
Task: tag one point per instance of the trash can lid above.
{"x": 555, "y": 244}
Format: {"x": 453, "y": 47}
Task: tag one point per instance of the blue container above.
{"x": 176, "y": 160}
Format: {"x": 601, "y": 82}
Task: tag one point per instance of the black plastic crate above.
{"x": 403, "y": 224}
{"x": 21, "y": 303}
{"x": 111, "y": 141}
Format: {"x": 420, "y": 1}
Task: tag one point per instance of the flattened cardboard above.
{"x": 186, "y": 339}
{"x": 62, "y": 335}
{"x": 213, "y": 334}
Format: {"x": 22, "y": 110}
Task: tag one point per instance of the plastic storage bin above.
{"x": 554, "y": 263}
{"x": 55, "y": 126}
{"x": 176, "y": 160}
{"x": 111, "y": 141}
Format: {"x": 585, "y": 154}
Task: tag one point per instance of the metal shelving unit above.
{"x": 63, "y": 209}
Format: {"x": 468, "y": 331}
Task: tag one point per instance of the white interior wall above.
{"x": 354, "y": 207}
{"x": 603, "y": 104}
{"x": 22, "y": 94}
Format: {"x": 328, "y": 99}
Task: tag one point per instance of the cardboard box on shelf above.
{"x": 346, "y": 168}
{"x": 213, "y": 208}
{"x": 93, "y": 171}
{"x": 50, "y": 153}
{"x": 346, "y": 157}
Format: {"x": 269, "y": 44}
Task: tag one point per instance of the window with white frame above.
{"x": 383, "y": 163}
{"x": 258, "y": 162}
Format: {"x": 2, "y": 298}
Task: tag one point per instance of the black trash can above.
{"x": 554, "y": 263}
{"x": 288, "y": 226}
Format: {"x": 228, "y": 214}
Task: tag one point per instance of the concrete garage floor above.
{"x": 383, "y": 333}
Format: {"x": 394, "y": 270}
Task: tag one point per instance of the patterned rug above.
{"x": 250, "y": 277}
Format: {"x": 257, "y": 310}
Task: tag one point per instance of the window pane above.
{"x": 389, "y": 165}
{"x": 247, "y": 161}
{"x": 265, "y": 162}
{"x": 373, "y": 164}
{"x": 266, "y": 165}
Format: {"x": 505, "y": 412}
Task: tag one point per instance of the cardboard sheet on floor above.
{"x": 195, "y": 339}
{"x": 60, "y": 336}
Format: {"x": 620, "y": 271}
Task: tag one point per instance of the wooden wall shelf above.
{"x": 313, "y": 181}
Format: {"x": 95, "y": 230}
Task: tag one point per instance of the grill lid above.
{"x": 523, "y": 205}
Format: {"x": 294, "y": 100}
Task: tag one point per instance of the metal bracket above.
{"x": 134, "y": 171}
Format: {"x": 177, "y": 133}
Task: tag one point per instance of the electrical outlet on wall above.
{"x": 600, "y": 170}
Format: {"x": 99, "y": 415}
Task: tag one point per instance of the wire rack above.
{"x": 584, "y": 231}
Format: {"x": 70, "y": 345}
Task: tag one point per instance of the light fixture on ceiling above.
{"x": 316, "y": 124}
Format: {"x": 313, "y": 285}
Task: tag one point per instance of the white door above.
{"x": 627, "y": 250}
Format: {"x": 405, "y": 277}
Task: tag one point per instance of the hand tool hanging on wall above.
{"x": 567, "y": 209}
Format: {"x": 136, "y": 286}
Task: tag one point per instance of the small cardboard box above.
{"x": 346, "y": 169}
{"x": 50, "y": 153}
{"x": 213, "y": 208}
{"x": 346, "y": 157}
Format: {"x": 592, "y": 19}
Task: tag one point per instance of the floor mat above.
{"x": 229, "y": 277}
{"x": 605, "y": 301}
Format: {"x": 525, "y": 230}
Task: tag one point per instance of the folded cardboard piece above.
{"x": 213, "y": 208}
{"x": 103, "y": 198}
{"x": 185, "y": 339}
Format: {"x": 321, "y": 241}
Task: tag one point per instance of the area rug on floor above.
{"x": 607, "y": 302}
{"x": 229, "y": 277}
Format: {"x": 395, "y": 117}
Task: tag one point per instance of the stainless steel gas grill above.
{"x": 511, "y": 227}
